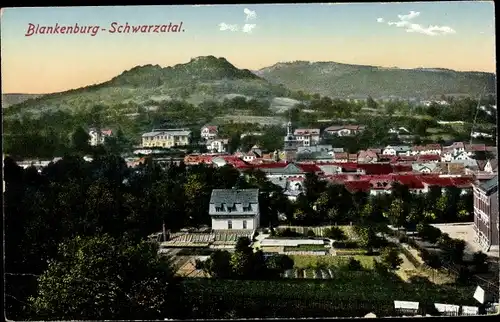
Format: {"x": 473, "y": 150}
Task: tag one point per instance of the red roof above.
{"x": 411, "y": 181}
{"x": 429, "y": 157}
{"x": 402, "y": 168}
{"x": 211, "y": 128}
{"x": 357, "y": 185}
{"x": 308, "y": 167}
{"x": 271, "y": 165}
{"x": 376, "y": 168}
{"x": 459, "y": 182}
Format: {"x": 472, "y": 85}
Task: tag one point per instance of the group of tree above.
{"x": 244, "y": 263}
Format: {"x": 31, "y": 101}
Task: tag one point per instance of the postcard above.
{"x": 250, "y": 161}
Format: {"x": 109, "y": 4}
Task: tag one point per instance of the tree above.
{"x": 242, "y": 260}
{"x": 335, "y": 233}
{"x": 480, "y": 262}
{"x": 218, "y": 265}
{"x": 280, "y": 263}
{"x": 429, "y": 233}
{"x": 354, "y": 265}
{"x": 93, "y": 272}
{"x": 454, "y": 250}
{"x": 390, "y": 258}
{"x": 396, "y": 213}
{"x": 370, "y": 103}
{"x": 80, "y": 140}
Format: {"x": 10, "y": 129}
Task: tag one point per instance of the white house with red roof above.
{"x": 344, "y": 130}
{"x": 97, "y": 138}
{"x": 209, "y": 132}
{"x": 307, "y": 137}
{"x": 426, "y": 149}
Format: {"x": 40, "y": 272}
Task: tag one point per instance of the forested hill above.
{"x": 344, "y": 80}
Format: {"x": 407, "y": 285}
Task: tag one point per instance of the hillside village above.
{"x": 204, "y": 191}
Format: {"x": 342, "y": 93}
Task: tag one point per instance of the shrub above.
{"x": 199, "y": 264}
{"x": 480, "y": 262}
{"x": 403, "y": 239}
{"x": 310, "y": 233}
{"x": 390, "y": 258}
{"x": 354, "y": 265}
{"x": 335, "y": 233}
{"x": 429, "y": 233}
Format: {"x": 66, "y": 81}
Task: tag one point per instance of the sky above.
{"x": 454, "y": 35}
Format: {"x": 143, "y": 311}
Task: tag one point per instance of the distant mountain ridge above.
{"x": 205, "y": 77}
{"x": 348, "y": 80}
{"x": 208, "y": 77}
{"x": 16, "y": 98}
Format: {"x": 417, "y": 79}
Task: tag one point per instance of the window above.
{"x": 219, "y": 208}
{"x": 229, "y": 224}
{"x": 247, "y": 208}
{"x": 244, "y": 224}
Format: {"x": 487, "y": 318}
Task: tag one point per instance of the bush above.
{"x": 354, "y": 265}
{"x": 199, "y": 264}
{"x": 431, "y": 259}
{"x": 480, "y": 262}
{"x": 429, "y": 233}
{"x": 335, "y": 233}
{"x": 390, "y": 258}
{"x": 287, "y": 232}
{"x": 403, "y": 239}
{"x": 310, "y": 233}
{"x": 346, "y": 244}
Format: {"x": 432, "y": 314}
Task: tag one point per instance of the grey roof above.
{"x": 289, "y": 169}
{"x": 314, "y": 148}
{"x": 280, "y": 182}
{"x": 181, "y": 132}
{"x": 399, "y": 148}
{"x": 234, "y": 196}
{"x": 490, "y": 186}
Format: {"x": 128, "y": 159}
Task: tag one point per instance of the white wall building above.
{"x": 234, "y": 209}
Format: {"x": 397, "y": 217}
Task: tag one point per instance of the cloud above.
{"x": 247, "y": 28}
{"x": 227, "y": 27}
{"x": 410, "y": 16}
{"x": 250, "y": 14}
{"x": 432, "y": 30}
{"x": 380, "y": 20}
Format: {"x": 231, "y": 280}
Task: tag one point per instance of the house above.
{"x": 426, "y": 149}
{"x": 307, "y": 137}
{"x": 471, "y": 149}
{"x": 234, "y": 209}
{"x": 166, "y": 138}
{"x": 318, "y": 148}
{"x": 486, "y": 213}
{"x": 422, "y": 158}
{"x": 367, "y": 157}
{"x": 491, "y": 166}
{"x": 448, "y": 154}
{"x": 396, "y": 149}
{"x": 254, "y": 153}
{"x": 217, "y": 145}
{"x": 344, "y": 130}
{"x": 97, "y": 138}
{"x": 285, "y": 170}
{"x": 209, "y": 132}
{"x": 400, "y": 130}
{"x": 424, "y": 167}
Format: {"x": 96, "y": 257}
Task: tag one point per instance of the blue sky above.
{"x": 342, "y": 32}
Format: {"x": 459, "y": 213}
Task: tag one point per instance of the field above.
{"x": 334, "y": 262}
{"x": 318, "y": 230}
{"x": 343, "y": 285}
{"x": 303, "y": 248}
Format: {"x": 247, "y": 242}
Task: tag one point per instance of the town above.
{"x": 316, "y": 209}
{"x": 224, "y": 162}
